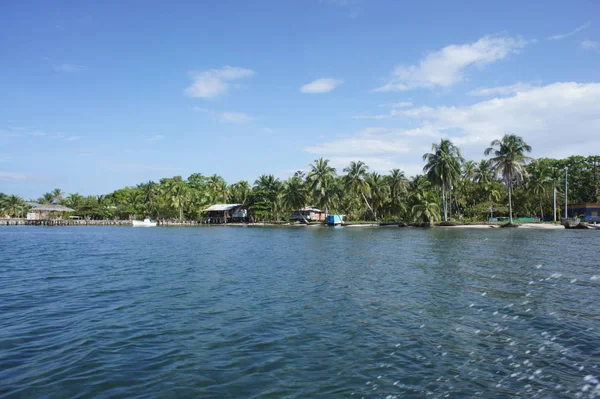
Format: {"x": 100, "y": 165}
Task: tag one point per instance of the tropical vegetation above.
{"x": 506, "y": 183}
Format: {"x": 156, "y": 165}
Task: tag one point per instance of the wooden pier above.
{"x": 63, "y": 222}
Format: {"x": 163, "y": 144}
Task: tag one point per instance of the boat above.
{"x": 146, "y": 223}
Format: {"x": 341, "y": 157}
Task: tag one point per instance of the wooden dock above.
{"x": 63, "y": 222}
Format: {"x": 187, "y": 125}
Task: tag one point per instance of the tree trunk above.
{"x": 368, "y": 206}
{"x": 509, "y": 183}
{"x": 541, "y": 210}
{"x": 444, "y": 201}
{"x": 554, "y": 203}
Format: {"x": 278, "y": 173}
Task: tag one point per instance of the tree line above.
{"x": 507, "y": 183}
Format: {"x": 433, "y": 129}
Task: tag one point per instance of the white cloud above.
{"x": 402, "y": 104}
{"x": 15, "y": 176}
{"x": 227, "y": 116}
{"x": 590, "y": 45}
{"x": 323, "y": 85}
{"x": 268, "y": 130}
{"x": 501, "y": 90}
{"x": 563, "y": 35}
{"x": 155, "y": 137}
{"x": 446, "y": 67}
{"x": 67, "y": 67}
{"x": 236, "y": 117}
{"x": 557, "y": 120}
{"x": 4, "y": 158}
{"x": 215, "y": 82}
{"x": 73, "y": 138}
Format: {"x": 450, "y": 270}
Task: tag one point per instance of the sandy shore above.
{"x": 540, "y": 226}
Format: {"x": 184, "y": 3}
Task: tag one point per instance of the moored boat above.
{"x": 146, "y": 223}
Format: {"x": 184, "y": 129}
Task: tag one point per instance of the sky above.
{"x": 96, "y": 96}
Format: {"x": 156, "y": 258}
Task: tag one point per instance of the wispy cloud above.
{"x": 4, "y": 158}
{"x": 402, "y": 104}
{"x": 268, "y": 130}
{"x": 16, "y": 176}
{"x": 73, "y": 138}
{"x": 215, "y": 82}
{"x": 541, "y": 115}
{"x": 563, "y": 35}
{"x": 230, "y": 117}
{"x": 502, "y": 90}
{"x": 446, "y": 67}
{"x": 590, "y": 45}
{"x": 323, "y": 85}
{"x": 67, "y": 67}
{"x": 155, "y": 137}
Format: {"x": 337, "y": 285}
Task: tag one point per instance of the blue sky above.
{"x": 99, "y": 95}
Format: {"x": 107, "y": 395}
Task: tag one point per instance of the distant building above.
{"x": 308, "y": 214}
{"x": 47, "y": 211}
{"x": 335, "y": 220}
{"x": 586, "y": 211}
{"x": 225, "y": 213}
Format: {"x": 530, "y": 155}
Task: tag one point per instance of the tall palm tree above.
{"x": 321, "y": 182}
{"x": 271, "y": 186}
{"x": 379, "y": 191}
{"x": 398, "y": 184}
{"x": 294, "y": 194}
{"x": 355, "y": 181}
{"x": 469, "y": 171}
{"x": 443, "y": 167}
{"x": 508, "y": 160}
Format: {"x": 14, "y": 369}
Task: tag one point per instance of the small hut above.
{"x": 308, "y": 214}
{"x": 225, "y": 213}
{"x": 47, "y": 211}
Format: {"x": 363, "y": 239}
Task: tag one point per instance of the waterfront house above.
{"x": 334, "y": 220}
{"x": 308, "y": 214}
{"x": 225, "y": 213}
{"x": 587, "y": 212}
{"x": 47, "y": 211}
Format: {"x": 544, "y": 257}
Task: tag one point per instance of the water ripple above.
{"x": 270, "y": 313}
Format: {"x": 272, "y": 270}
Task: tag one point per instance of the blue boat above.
{"x": 335, "y": 220}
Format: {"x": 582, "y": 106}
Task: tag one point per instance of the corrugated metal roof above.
{"x": 310, "y": 208}
{"x": 222, "y": 207}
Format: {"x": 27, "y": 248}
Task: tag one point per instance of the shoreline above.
{"x": 128, "y": 223}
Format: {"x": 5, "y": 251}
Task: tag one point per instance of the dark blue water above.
{"x": 298, "y": 312}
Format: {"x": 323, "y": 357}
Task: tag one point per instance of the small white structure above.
{"x": 146, "y": 223}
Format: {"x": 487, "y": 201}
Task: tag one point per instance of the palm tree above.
{"x": 321, "y": 182}
{"x": 537, "y": 184}
{"x": 271, "y": 186}
{"x": 294, "y": 194}
{"x": 483, "y": 173}
{"x": 379, "y": 191}
{"x": 426, "y": 210}
{"x": 57, "y": 196}
{"x": 217, "y": 189}
{"x": 398, "y": 184}
{"x": 469, "y": 171}
{"x": 443, "y": 167}
{"x": 508, "y": 160}
{"x": 355, "y": 181}
{"x": 13, "y": 205}
{"x": 240, "y": 192}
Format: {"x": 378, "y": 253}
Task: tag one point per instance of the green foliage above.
{"x": 507, "y": 184}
